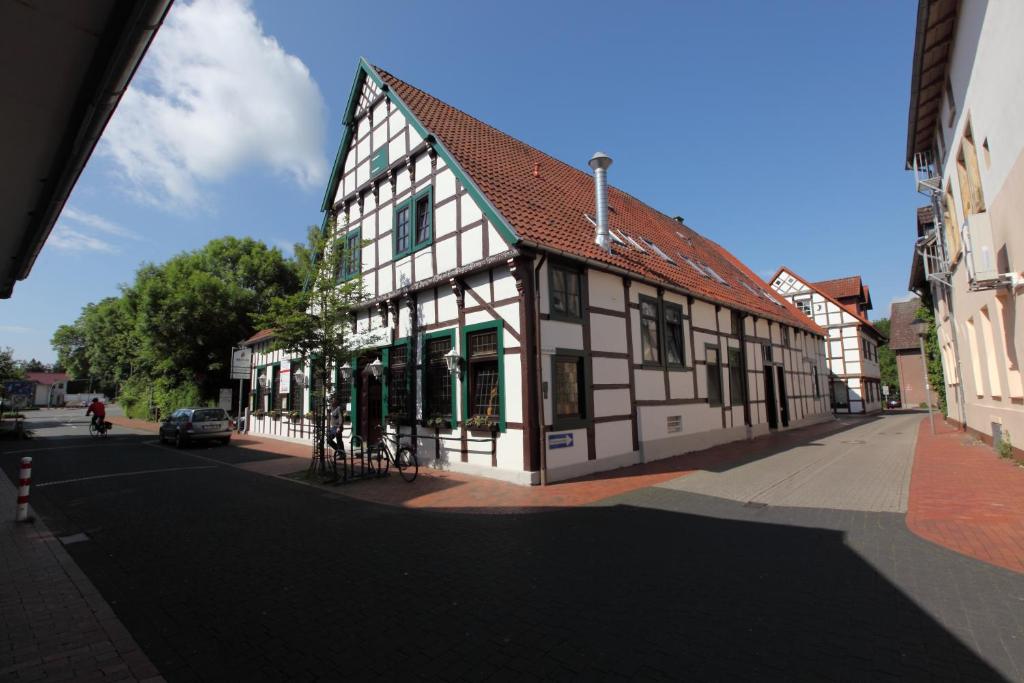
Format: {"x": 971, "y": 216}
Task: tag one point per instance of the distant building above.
{"x": 582, "y": 335}
{"x": 965, "y": 143}
{"x": 38, "y": 389}
{"x": 840, "y": 306}
{"x": 906, "y": 346}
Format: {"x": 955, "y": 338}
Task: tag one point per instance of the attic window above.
{"x": 694, "y": 265}
{"x": 632, "y": 241}
{"x": 712, "y": 273}
{"x": 752, "y": 290}
{"x": 684, "y": 238}
{"x": 657, "y": 250}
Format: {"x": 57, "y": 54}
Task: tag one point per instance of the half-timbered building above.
{"x": 534, "y": 351}
{"x": 840, "y": 306}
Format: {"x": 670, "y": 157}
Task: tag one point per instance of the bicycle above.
{"x": 99, "y": 431}
{"x": 403, "y": 457}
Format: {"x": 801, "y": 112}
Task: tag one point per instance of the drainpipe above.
{"x": 540, "y": 372}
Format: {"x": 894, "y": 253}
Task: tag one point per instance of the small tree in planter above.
{"x": 315, "y": 325}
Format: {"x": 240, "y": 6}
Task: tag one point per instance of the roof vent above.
{"x": 600, "y": 163}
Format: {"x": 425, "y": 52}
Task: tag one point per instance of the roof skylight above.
{"x": 657, "y": 250}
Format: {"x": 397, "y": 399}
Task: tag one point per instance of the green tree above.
{"x": 9, "y": 368}
{"x": 69, "y": 343}
{"x": 936, "y": 378}
{"x": 315, "y": 323}
{"x": 887, "y": 359}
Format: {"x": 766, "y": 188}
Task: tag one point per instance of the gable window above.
{"x": 568, "y": 388}
{"x": 674, "y": 334}
{"x": 650, "y": 331}
{"x": 804, "y": 304}
{"x": 398, "y": 380}
{"x": 714, "y": 369}
{"x": 438, "y": 399}
{"x": 735, "y": 377}
{"x": 402, "y": 238}
{"x": 565, "y": 284}
{"x": 351, "y": 257}
{"x": 483, "y": 349}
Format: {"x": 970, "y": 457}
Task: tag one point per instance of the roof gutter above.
{"x": 117, "y": 58}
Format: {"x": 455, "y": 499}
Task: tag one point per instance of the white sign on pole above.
{"x": 241, "y": 363}
{"x": 885, "y": 390}
{"x": 225, "y": 399}
{"x": 284, "y": 373}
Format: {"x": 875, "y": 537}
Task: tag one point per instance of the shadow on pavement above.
{"x": 222, "y": 576}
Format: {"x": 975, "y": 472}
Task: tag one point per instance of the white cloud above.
{"x": 15, "y": 328}
{"x": 95, "y": 222}
{"x": 214, "y": 95}
{"x": 69, "y": 239}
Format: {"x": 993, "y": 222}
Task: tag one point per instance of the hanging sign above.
{"x": 241, "y": 363}
{"x": 283, "y": 374}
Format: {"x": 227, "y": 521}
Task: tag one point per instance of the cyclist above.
{"x": 99, "y": 413}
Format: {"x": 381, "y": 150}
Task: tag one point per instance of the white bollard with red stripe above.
{"x": 24, "y": 482}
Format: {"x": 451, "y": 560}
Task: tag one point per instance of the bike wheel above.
{"x": 407, "y": 464}
{"x": 93, "y": 432}
{"x": 380, "y": 460}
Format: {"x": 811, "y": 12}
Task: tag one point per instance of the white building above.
{"x": 580, "y": 358}
{"x": 840, "y": 306}
{"x": 965, "y": 141}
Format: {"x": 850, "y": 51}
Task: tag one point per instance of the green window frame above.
{"x": 565, "y": 292}
{"x": 570, "y": 388}
{"x": 274, "y": 384}
{"x": 651, "y": 326}
{"x": 714, "y": 373}
{"x": 260, "y": 391}
{"x": 379, "y": 161}
{"x": 394, "y": 382}
{"x": 672, "y": 316}
{"x": 435, "y": 372}
{"x": 469, "y": 361}
{"x": 736, "y": 375}
{"x": 413, "y": 223}
{"x": 351, "y": 262}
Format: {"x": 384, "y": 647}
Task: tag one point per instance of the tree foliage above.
{"x": 9, "y": 368}
{"x": 168, "y": 336}
{"x": 887, "y": 360}
{"x": 936, "y": 378}
{"x": 314, "y": 324}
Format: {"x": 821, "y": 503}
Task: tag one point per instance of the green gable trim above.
{"x": 497, "y": 326}
{"x": 363, "y": 71}
{"x": 442, "y": 334}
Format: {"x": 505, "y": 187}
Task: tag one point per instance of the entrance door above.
{"x": 783, "y": 400}
{"x": 369, "y": 400}
{"x": 769, "y": 398}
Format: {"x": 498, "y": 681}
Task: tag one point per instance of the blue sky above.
{"x": 777, "y": 129}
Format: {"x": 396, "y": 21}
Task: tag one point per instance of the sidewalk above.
{"x": 54, "y": 625}
{"x": 965, "y": 498}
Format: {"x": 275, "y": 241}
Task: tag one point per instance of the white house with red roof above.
{"x": 840, "y": 306}
{"x": 584, "y": 335}
{"x": 50, "y": 387}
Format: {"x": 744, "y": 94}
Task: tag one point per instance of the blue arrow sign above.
{"x": 563, "y": 440}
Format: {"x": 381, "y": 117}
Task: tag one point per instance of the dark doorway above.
{"x": 369, "y": 403}
{"x": 769, "y": 398}
{"x": 783, "y": 400}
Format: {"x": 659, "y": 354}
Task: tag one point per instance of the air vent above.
{"x": 674, "y": 424}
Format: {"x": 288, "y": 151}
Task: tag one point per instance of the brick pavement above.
{"x": 54, "y": 624}
{"x": 964, "y": 497}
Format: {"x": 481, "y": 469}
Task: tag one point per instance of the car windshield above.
{"x": 211, "y": 415}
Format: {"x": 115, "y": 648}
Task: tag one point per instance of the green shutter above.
{"x": 379, "y": 161}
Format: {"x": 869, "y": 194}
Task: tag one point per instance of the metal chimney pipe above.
{"x": 600, "y": 163}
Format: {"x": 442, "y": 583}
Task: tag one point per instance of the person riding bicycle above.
{"x": 99, "y": 413}
{"x": 334, "y": 424}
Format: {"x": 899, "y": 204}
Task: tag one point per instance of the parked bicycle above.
{"x": 382, "y": 455}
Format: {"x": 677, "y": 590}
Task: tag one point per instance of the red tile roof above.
{"x": 902, "y": 335}
{"x": 548, "y": 211}
{"x": 852, "y": 308}
{"x": 46, "y": 378}
{"x": 259, "y": 336}
{"x": 841, "y": 288}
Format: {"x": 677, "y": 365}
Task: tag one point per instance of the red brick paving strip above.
{"x": 965, "y": 498}
{"x": 54, "y": 624}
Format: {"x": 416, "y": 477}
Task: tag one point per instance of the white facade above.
{"x": 852, "y": 349}
{"x": 977, "y": 152}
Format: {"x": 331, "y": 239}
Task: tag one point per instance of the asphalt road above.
{"x": 224, "y": 574}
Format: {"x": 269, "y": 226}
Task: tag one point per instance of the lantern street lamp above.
{"x": 346, "y": 371}
{"x": 451, "y": 359}
{"x": 377, "y": 368}
{"x": 262, "y": 379}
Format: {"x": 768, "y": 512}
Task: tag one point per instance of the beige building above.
{"x": 965, "y": 144}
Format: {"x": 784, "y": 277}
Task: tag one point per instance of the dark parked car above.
{"x": 196, "y": 424}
